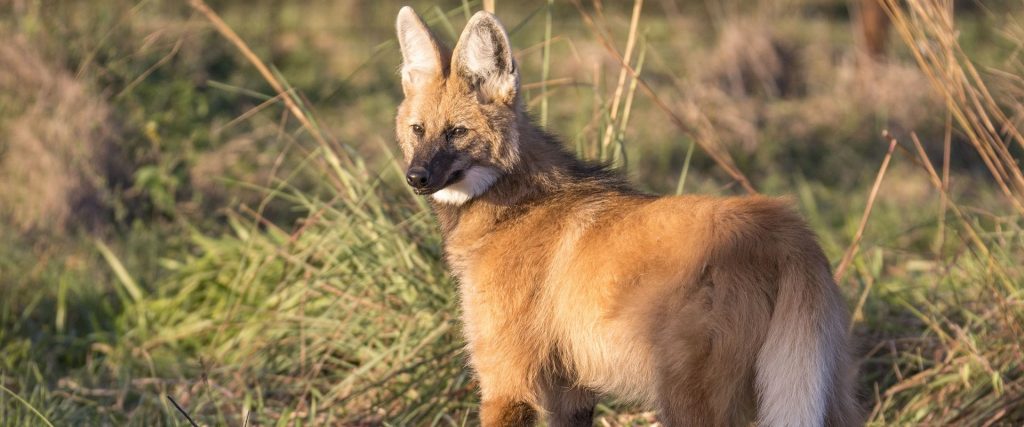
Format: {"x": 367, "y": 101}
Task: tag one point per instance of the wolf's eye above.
{"x": 418, "y": 130}
{"x": 458, "y": 132}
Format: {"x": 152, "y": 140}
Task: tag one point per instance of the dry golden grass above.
{"x": 58, "y": 150}
{"x": 346, "y": 315}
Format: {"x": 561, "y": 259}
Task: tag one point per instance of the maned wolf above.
{"x": 573, "y": 284}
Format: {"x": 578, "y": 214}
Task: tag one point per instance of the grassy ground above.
{"x": 178, "y": 232}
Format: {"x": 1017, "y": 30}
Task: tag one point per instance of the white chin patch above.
{"x": 477, "y": 180}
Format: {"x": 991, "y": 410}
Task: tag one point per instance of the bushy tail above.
{"x": 801, "y": 370}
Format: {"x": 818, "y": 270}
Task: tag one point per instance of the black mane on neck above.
{"x": 547, "y": 173}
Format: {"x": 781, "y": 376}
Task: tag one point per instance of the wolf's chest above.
{"x": 540, "y": 308}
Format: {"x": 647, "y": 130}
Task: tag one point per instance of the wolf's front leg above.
{"x": 506, "y": 412}
{"x": 507, "y": 395}
{"x": 507, "y": 399}
{"x": 507, "y": 372}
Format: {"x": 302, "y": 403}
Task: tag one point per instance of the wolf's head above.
{"x": 458, "y": 124}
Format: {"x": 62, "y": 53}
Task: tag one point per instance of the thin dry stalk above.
{"x": 248, "y": 114}
{"x": 975, "y": 237}
{"x": 937, "y": 183}
{"x": 946, "y": 147}
{"x": 927, "y": 27}
{"x": 279, "y": 87}
{"x": 230, "y": 34}
{"x": 855, "y": 245}
{"x": 160, "y": 63}
{"x": 597, "y": 102}
{"x": 704, "y": 139}
{"x": 561, "y": 81}
{"x": 634, "y": 22}
{"x": 972, "y": 234}
{"x": 546, "y": 69}
{"x": 631, "y": 93}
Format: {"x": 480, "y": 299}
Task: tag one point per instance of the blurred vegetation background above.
{"x": 178, "y": 228}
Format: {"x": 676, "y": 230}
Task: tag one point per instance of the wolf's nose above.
{"x": 417, "y": 177}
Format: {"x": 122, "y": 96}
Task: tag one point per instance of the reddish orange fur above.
{"x": 574, "y": 285}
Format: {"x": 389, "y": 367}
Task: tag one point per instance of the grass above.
{"x": 252, "y": 256}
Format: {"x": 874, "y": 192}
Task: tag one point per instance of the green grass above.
{"x": 262, "y": 272}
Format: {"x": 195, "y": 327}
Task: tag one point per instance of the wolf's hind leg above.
{"x": 707, "y": 352}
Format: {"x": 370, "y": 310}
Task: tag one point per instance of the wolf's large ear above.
{"x": 421, "y": 53}
{"x": 483, "y": 57}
